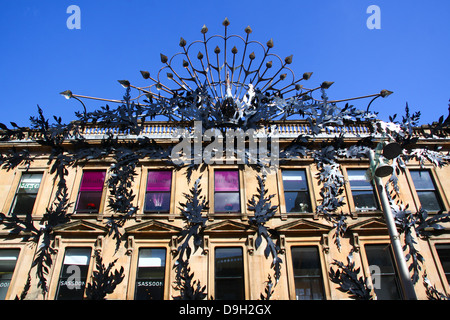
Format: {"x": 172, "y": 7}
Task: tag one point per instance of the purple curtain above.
{"x": 159, "y": 181}
{"x": 93, "y": 181}
{"x": 226, "y": 181}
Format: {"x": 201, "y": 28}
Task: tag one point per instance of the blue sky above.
{"x": 41, "y": 57}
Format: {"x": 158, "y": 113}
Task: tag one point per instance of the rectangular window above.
{"x": 26, "y": 194}
{"x": 91, "y": 189}
{"x": 443, "y": 251}
{"x": 362, "y": 190}
{"x": 226, "y": 191}
{"x": 386, "y": 283}
{"x": 426, "y": 190}
{"x": 307, "y": 273}
{"x": 157, "y": 197}
{"x": 72, "y": 280}
{"x": 296, "y": 194}
{"x": 8, "y": 260}
{"x": 150, "y": 274}
{"x": 229, "y": 274}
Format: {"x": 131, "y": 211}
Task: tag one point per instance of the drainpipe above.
{"x": 405, "y": 279}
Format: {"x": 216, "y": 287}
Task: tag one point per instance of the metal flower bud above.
{"x": 234, "y": 50}
{"x": 200, "y": 56}
{"x": 288, "y": 60}
{"x": 217, "y": 50}
{"x": 124, "y": 83}
{"x": 283, "y": 76}
{"x": 269, "y": 64}
{"x": 248, "y": 30}
{"x": 252, "y": 56}
{"x": 269, "y": 43}
{"x": 384, "y": 93}
{"x": 169, "y": 75}
{"x": 326, "y": 84}
{"x": 204, "y": 29}
{"x": 182, "y": 42}
{"x": 145, "y": 74}
{"x": 307, "y": 75}
{"x": 185, "y": 63}
{"x": 164, "y": 58}
{"x": 226, "y": 22}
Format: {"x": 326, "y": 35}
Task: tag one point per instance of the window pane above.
{"x": 443, "y": 251}
{"x": 297, "y": 201}
{"x": 92, "y": 181}
{"x": 422, "y": 179}
{"x": 157, "y": 201}
{"x": 226, "y": 181}
{"x": 24, "y": 203}
{"x": 357, "y": 179}
{"x": 429, "y": 200}
{"x": 426, "y": 190}
{"x": 89, "y": 201}
{"x": 91, "y": 189}
{"x": 26, "y": 193}
{"x": 364, "y": 200}
{"x": 229, "y": 274}
{"x": 227, "y": 202}
{"x": 294, "y": 180}
{"x": 159, "y": 181}
{"x": 73, "y": 276}
{"x": 307, "y": 273}
{"x": 380, "y": 256}
{"x": 8, "y": 260}
{"x": 30, "y": 183}
{"x": 150, "y": 274}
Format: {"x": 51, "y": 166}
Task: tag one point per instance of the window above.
{"x": 8, "y": 260}
{"x": 388, "y": 287}
{"x": 26, "y": 194}
{"x": 307, "y": 273}
{"x": 72, "y": 280}
{"x": 296, "y": 193}
{"x": 226, "y": 191}
{"x": 362, "y": 190}
{"x": 426, "y": 190}
{"x": 157, "y": 197}
{"x": 229, "y": 274}
{"x": 443, "y": 251}
{"x": 150, "y": 274}
{"x": 91, "y": 189}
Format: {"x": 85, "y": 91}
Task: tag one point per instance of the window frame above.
{"x": 369, "y": 240}
{"x": 11, "y": 197}
{"x": 350, "y": 202}
{"x": 323, "y": 260}
{"x": 308, "y": 191}
{"x": 170, "y": 192}
{"x": 440, "y": 270}
{"x": 60, "y": 263}
{"x": 225, "y": 243}
{"x": 12, "y": 292}
{"x": 441, "y": 196}
{"x": 212, "y": 191}
{"x": 311, "y": 190}
{"x": 76, "y": 192}
{"x": 138, "y": 244}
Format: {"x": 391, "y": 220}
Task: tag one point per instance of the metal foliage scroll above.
{"x": 195, "y": 223}
{"x": 349, "y": 281}
{"x": 263, "y": 210}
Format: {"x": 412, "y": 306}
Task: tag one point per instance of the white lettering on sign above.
{"x": 25, "y": 185}
{"x": 150, "y": 284}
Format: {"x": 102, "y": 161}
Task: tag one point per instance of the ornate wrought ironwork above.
{"x": 229, "y": 80}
